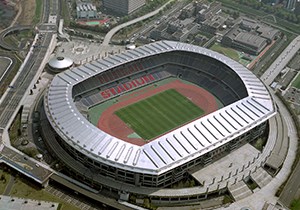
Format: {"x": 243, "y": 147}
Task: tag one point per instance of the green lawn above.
{"x": 4, "y": 180}
{"x": 229, "y": 52}
{"x": 65, "y": 13}
{"x": 158, "y": 114}
{"x": 24, "y": 190}
{"x": 96, "y": 111}
{"x": 38, "y": 11}
{"x": 296, "y": 82}
{"x": 295, "y": 205}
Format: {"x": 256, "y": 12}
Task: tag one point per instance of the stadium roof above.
{"x": 167, "y": 151}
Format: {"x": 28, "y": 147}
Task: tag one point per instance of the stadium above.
{"x": 143, "y": 118}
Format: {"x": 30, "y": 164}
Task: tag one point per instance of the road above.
{"x": 10, "y": 102}
{"x": 29, "y": 68}
{"x": 21, "y": 83}
{"x": 293, "y": 184}
{"x": 2, "y": 74}
{"x": 7, "y": 31}
{"x": 291, "y": 188}
{"x": 258, "y": 69}
{"x": 282, "y": 60}
{"x": 110, "y": 34}
{"x": 9, "y": 185}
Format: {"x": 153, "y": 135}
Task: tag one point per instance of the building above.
{"x": 214, "y": 24}
{"x": 248, "y": 24}
{"x": 206, "y": 11}
{"x": 15, "y": 203}
{"x": 123, "y": 7}
{"x": 268, "y": 32}
{"x": 290, "y": 4}
{"x": 175, "y": 30}
{"x": 187, "y": 12}
{"x": 250, "y": 36}
{"x": 59, "y": 64}
{"x": 86, "y": 11}
{"x": 106, "y": 162}
{"x": 244, "y": 41}
{"x": 297, "y": 7}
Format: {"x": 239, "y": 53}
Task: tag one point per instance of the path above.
{"x": 9, "y": 185}
{"x": 19, "y": 6}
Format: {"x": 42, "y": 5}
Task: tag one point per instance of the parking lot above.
{"x": 69, "y": 199}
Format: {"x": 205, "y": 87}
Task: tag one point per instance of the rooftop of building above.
{"x": 60, "y": 62}
{"x": 14, "y": 203}
{"x": 250, "y": 39}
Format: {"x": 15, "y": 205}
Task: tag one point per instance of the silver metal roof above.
{"x": 60, "y": 62}
{"x": 167, "y": 151}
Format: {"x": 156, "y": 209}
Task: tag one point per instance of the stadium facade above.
{"x": 104, "y": 160}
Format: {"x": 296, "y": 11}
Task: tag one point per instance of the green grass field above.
{"x": 296, "y": 82}
{"x": 158, "y": 114}
{"x": 24, "y": 189}
{"x": 96, "y": 111}
{"x": 38, "y": 11}
{"x": 295, "y": 204}
{"x": 229, "y": 52}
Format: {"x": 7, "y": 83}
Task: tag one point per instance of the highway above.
{"x": 29, "y": 68}
{"x": 112, "y": 32}
{"x": 7, "y": 31}
{"x": 10, "y": 101}
{"x": 282, "y": 60}
{"x": 263, "y": 61}
{"x": 22, "y": 82}
{"x": 292, "y": 186}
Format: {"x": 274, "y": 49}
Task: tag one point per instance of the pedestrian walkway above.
{"x": 266, "y": 195}
{"x": 9, "y": 185}
{"x": 240, "y": 190}
{"x": 261, "y": 177}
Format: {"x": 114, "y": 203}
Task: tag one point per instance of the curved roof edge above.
{"x": 151, "y": 158}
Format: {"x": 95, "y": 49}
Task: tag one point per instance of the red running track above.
{"x": 113, "y": 125}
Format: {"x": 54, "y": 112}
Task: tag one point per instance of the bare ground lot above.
{"x": 9, "y": 11}
{"x": 27, "y": 14}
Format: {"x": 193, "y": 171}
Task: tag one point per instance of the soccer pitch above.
{"x": 159, "y": 113}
